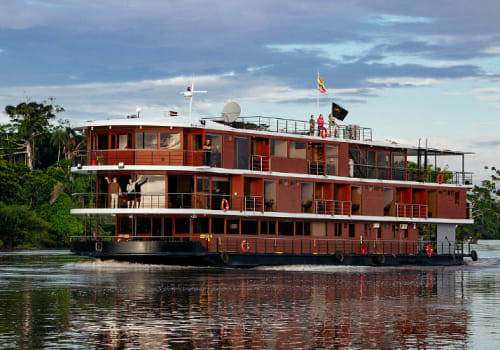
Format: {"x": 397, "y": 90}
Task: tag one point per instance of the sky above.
{"x": 409, "y": 70}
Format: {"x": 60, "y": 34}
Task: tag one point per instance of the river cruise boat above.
{"x": 265, "y": 191}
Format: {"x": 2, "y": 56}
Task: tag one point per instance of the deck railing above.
{"x": 332, "y": 207}
{"x": 411, "y": 174}
{"x": 148, "y": 157}
{"x": 261, "y": 163}
{"x": 148, "y": 200}
{"x": 297, "y": 245}
{"x": 410, "y": 210}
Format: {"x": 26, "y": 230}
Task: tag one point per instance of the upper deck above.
{"x": 257, "y": 144}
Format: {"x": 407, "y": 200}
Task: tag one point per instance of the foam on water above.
{"x": 122, "y": 266}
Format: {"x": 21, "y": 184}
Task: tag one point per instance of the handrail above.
{"x": 160, "y": 200}
{"x": 411, "y": 210}
{"x": 411, "y": 174}
{"x": 261, "y": 163}
{"x": 297, "y": 244}
{"x": 332, "y": 207}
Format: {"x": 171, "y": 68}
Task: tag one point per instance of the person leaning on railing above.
{"x": 207, "y": 150}
{"x": 312, "y": 124}
{"x": 332, "y": 125}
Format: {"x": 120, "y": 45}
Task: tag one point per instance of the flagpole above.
{"x": 317, "y": 95}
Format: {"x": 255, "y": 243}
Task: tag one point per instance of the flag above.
{"x": 321, "y": 86}
{"x": 339, "y": 112}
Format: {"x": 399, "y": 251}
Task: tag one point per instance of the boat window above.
{"x": 354, "y": 154}
{"x": 124, "y": 141}
{"x": 146, "y": 140}
{"x": 218, "y": 225}
{"x": 267, "y": 227}
{"x": 269, "y": 195}
{"x": 319, "y": 229}
{"x": 216, "y": 141}
{"x": 249, "y": 227}
{"x": 200, "y": 225}
{"x": 297, "y": 150}
{"x": 285, "y": 228}
{"x": 306, "y": 194}
{"x": 398, "y": 166}
{"x": 279, "y": 148}
{"x": 102, "y": 141}
{"x": 338, "y": 229}
{"x": 332, "y": 159}
{"x": 196, "y": 141}
{"x": 233, "y": 226}
{"x": 181, "y": 225}
{"x": 125, "y": 225}
{"x": 143, "y": 225}
{"x": 241, "y": 145}
{"x": 352, "y": 232}
{"x": 157, "y": 230}
{"x": 151, "y": 191}
{"x": 383, "y": 165}
{"x": 170, "y": 140}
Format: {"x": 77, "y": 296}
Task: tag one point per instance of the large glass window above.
{"x": 143, "y": 225}
{"x": 267, "y": 227}
{"x": 383, "y": 165}
{"x": 216, "y": 142}
{"x": 398, "y": 166}
{"x": 102, "y": 141}
{"x": 150, "y": 191}
{"x": 200, "y": 225}
{"x": 306, "y": 193}
{"x": 285, "y": 228}
{"x": 241, "y": 147}
{"x": 218, "y": 225}
{"x": 354, "y": 154}
{"x": 181, "y": 225}
{"x": 170, "y": 140}
{"x": 249, "y": 227}
{"x": 279, "y": 148}
{"x": 332, "y": 159}
{"x": 297, "y": 150}
{"x": 124, "y": 141}
{"x": 233, "y": 226}
{"x": 146, "y": 140}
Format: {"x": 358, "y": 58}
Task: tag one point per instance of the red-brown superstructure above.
{"x": 265, "y": 191}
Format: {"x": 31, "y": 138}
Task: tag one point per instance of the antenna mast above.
{"x": 190, "y": 91}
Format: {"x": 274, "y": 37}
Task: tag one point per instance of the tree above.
{"x": 486, "y": 209}
{"x": 29, "y": 120}
{"x": 20, "y": 225}
{"x": 63, "y": 224}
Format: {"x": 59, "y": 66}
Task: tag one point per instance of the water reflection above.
{"x": 60, "y": 303}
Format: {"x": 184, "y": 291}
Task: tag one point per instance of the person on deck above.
{"x": 130, "y": 192}
{"x": 320, "y": 123}
{"x": 332, "y": 125}
{"x": 138, "y": 185}
{"x": 312, "y": 124}
{"x": 114, "y": 190}
{"x": 207, "y": 152}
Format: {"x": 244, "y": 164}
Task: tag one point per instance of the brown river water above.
{"x": 52, "y": 300}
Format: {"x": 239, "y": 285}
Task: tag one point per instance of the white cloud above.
{"x": 491, "y": 94}
{"x": 2, "y": 50}
{"x": 406, "y": 81}
{"x": 492, "y": 50}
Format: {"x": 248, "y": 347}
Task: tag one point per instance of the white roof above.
{"x": 186, "y": 122}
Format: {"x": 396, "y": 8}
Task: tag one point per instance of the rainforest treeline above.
{"x": 36, "y": 147}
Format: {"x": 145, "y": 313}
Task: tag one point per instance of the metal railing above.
{"x": 148, "y": 157}
{"x": 300, "y": 127}
{"x": 296, "y": 245}
{"x": 332, "y": 207}
{"x": 150, "y": 200}
{"x": 261, "y": 163}
{"x": 411, "y": 174}
{"x": 411, "y": 210}
{"x": 317, "y": 167}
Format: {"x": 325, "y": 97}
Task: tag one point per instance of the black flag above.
{"x": 338, "y": 112}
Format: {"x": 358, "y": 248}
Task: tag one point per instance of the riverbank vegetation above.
{"x": 36, "y": 182}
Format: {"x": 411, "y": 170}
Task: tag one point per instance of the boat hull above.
{"x": 192, "y": 253}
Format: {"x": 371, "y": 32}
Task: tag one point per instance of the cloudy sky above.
{"x": 407, "y": 69}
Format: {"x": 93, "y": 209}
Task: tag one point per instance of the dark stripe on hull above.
{"x": 194, "y": 254}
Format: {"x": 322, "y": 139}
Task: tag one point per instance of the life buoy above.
{"x": 439, "y": 178}
{"x": 473, "y": 255}
{"x": 339, "y": 256}
{"x": 323, "y": 132}
{"x": 380, "y": 259}
{"x": 429, "y": 250}
{"x": 224, "y": 204}
{"x": 245, "y": 247}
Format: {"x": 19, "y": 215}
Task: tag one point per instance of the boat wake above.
{"x": 123, "y": 266}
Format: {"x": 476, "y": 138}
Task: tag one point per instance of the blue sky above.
{"x": 409, "y": 70}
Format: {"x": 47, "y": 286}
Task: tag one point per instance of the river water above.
{"x": 50, "y": 299}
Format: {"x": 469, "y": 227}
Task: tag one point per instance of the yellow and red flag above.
{"x": 321, "y": 86}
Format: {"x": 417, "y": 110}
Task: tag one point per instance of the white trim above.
{"x": 205, "y": 169}
{"x": 254, "y": 214}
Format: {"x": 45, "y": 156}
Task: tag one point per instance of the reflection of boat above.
{"x": 265, "y": 192}
{"x": 265, "y": 310}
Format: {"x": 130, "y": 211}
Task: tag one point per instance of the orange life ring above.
{"x": 362, "y": 249}
{"x": 245, "y": 247}
{"x": 224, "y": 204}
{"x": 439, "y": 178}
{"x": 429, "y": 249}
{"x": 323, "y": 132}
